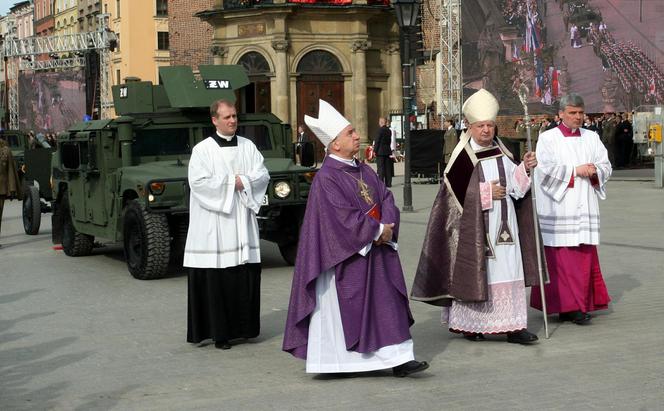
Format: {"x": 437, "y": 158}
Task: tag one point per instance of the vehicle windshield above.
{"x": 258, "y": 133}
{"x": 13, "y": 141}
{"x": 161, "y": 142}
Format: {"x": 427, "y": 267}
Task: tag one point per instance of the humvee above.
{"x": 125, "y": 179}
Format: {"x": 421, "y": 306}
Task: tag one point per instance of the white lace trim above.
{"x": 505, "y": 311}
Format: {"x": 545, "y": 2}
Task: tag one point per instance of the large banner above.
{"x": 609, "y": 51}
{"x": 51, "y": 101}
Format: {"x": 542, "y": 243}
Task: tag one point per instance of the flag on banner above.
{"x": 539, "y": 77}
{"x": 516, "y": 53}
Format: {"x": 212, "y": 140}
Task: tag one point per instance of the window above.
{"x": 161, "y": 142}
{"x": 117, "y": 9}
{"x": 162, "y": 40}
{"x": 118, "y": 78}
{"x": 162, "y": 8}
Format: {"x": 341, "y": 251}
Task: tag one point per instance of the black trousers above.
{"x": 385, "y": 169}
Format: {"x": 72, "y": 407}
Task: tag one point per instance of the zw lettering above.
{"x": 217, "y": 84}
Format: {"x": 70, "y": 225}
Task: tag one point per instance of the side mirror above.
{"x": 308, "y": 154}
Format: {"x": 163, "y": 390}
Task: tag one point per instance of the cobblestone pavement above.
{"x": 81, "y": 334}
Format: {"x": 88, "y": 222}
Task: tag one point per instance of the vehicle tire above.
{"x": 179, "y": 228}
{"x": 74, "y": 244}
{"x": 146, "y": 242}
{"x": 288, "y": 252}
{"x": 31, "y": 210}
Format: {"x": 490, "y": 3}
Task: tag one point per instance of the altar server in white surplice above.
{"x": 228, "y": 180}
{"x": 571, "y": 180}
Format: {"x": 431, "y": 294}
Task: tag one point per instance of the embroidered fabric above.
{"x": 505, "y": 311}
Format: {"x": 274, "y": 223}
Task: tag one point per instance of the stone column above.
{"x": 281, "y": 101}
{"x": 359, "y": 65}
{"x": 394, "y": 82}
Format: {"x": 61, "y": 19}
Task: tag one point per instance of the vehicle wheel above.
{"x": 179, "y": 228}
{"x": 31, "y": 210}
{"x": 146, "y": 242}
{"x": 74, "y": 244}
{"x": 288, "y": 252}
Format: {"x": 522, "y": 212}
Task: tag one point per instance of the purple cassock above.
{"x": 372, "y": 292}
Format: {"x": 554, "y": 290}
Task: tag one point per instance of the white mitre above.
{"x": 481, "y": 106}
{"x": 329, "y": 123}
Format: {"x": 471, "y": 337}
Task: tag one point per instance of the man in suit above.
{"x": 450, "y": 140}
{"x": 301, "y": 138}
{"x": 383, "y": 150}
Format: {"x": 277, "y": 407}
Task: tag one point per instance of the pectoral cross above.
{"x": 365, "y": 193}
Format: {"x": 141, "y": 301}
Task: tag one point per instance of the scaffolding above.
{"x": 450, "y": 93}
{"x": 20, "y": 54}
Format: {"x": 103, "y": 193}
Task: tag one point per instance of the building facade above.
{"x": 87, "y": 15}
{"x": 143, "y": 40}
{"x": 190, "y": 38}
{"x": 24, "y": 18}
{"x": 66, "y": 17}
{"x": 345, "y": 52}
{"x": 44, "y": 17}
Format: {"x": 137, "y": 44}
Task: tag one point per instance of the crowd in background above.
{"x": 614, "y": 129}
{"x": 42, "y": 140}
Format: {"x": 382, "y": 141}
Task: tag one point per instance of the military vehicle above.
{"x": 18, "y": 143}
{"x": 125, "y": 179}
{"x": 34, "y": 170}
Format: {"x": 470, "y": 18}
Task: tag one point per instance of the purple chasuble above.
{"x": 372, "y": 292}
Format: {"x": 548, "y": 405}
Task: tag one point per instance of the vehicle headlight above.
{"x": 282, "y": 189}
{"x": 157, "y": 188}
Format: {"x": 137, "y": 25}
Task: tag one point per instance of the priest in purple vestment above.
{"x": 349, "y": 308}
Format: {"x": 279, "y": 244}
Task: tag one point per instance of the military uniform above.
{"x": 609, "y": 137}
{"x": 9, "y": 182}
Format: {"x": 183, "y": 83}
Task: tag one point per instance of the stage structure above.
{"x": 20, "y": 55}
{"x": 449, "y": 81}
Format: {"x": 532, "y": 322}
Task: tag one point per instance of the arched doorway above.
{"x": 319, "y": 77}
{"x": 255, "y": 98}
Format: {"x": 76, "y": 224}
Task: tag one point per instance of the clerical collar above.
{"x": 350, "y": 162}
{"x": 569, "y": 132}
{"x": 225, "y": 141}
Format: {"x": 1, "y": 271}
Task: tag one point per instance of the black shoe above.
{"x": 411, "y": 367}
{"x": 222, "y": 345}
{"x": 521, "y": 337}
{"x": 474, "y": 336}
{"x": 577, "y": 317}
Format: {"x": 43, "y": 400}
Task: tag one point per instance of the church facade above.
{"x": 345, "y": 52}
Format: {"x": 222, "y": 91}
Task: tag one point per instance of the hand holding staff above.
{"x": 523, "y": 96}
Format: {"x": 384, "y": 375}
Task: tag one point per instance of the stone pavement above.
{"x": 81, "y": 334}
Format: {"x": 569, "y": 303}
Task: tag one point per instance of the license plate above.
{"x": 265, "y": 201}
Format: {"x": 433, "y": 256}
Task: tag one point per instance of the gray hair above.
{"x": 571, "y": 99}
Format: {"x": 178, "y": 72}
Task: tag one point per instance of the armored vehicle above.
{"x": 125, "y": 179}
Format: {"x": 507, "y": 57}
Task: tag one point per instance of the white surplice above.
{"x": 223, "y": 230}
{"x": 506, "y": 308}
{"x": 326, "y": 348}
{"x": 569, "y": 216}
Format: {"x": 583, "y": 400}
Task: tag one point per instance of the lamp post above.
{"x": 407, "y": 12}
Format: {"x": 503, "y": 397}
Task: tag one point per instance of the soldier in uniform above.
{"x": 609, "y": 136}
{"x": 9, "y": 182}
